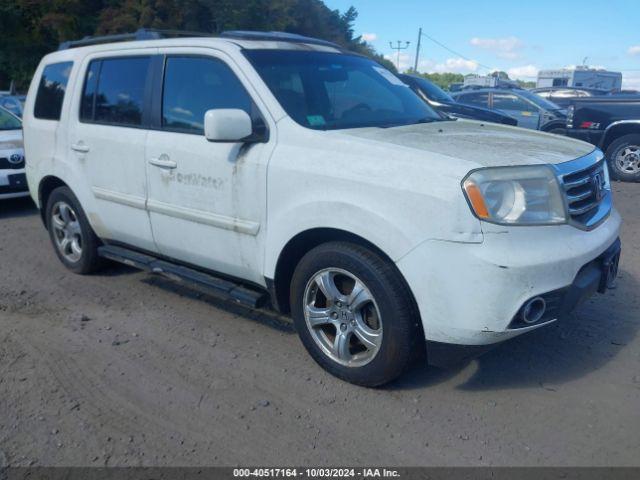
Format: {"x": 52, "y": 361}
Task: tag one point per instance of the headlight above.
{"x": 527, "y": 195}
{"x": 570, "y": 112}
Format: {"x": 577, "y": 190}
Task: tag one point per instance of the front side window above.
{"x": 8, "y": 121}
{"x": 50, "y": 96}
{"x": 537, "y": 100}
{"x": 509, "y": 101}
{"x": 193, "y": 85}
{"x": 327, "y": 91}
{"x": 114, "y": 91}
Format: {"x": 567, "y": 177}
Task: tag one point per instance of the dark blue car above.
{"x": 443, "y": 102}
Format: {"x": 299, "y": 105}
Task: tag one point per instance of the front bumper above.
{"x": 469, "y": 294}
{"x": 13, "y": 183}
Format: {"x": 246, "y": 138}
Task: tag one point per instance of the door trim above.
{"x": 221, "y": 221}
{"x": 117, "y": 197}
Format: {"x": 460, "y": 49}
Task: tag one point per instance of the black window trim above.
{"x": 64, "y": 96}
{"x": 145, "y": 123}
{"x": 157, "y": 97}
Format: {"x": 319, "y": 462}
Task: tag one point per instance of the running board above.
{"x": 218, "y": 286}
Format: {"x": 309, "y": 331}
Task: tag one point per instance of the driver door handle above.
{"x": 163, "y": 161}
{"x": 79, "y": 147}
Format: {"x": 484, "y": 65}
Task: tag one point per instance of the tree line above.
{"x": 32, "y": 28}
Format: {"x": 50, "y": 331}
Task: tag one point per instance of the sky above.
{"x": 517, "y": 36}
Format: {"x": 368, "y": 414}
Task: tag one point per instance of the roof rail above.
{"x": 277, "y": 37}
{"x": 140, "y": 34}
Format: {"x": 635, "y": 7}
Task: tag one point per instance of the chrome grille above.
{"x": 585, "y": 191}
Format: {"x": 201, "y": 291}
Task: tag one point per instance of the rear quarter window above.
{"x": 53, "y": 85}
{"x": 114, "y": 90}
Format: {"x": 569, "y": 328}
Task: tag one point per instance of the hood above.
{"x": 10, "y": 139}
{"x": 488, "y": 145}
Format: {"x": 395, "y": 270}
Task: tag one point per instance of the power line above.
{"x": 450, "y": 50}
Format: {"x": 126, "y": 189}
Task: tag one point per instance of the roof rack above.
{"x": 154, "y": 34}
{"x": 140, "y": 34}
{"x": 277, "y": 37}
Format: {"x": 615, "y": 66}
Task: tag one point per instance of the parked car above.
{"x": 613, "y": 124}
{"x": 529, "y": 109}
{"x": 443, "y": 102}
{"x": 13, "y": 181}
{"x": 563, "y": 96}
{"x": 12, "y": 103}
{"x": 275, "y": 167}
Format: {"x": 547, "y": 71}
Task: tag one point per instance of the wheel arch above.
{"x": 617, "y": 130}
{"x": 47, "y": 185}
{"x": 300, "y": 245}
{"x": 547, "y": 127}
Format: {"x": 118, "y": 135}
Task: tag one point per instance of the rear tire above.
{"x": 623, "y": 157}
{"x": 73, "y": 239}
{"x": 354, "y": 313}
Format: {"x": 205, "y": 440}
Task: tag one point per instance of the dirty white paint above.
{"x": 232, "y": 207}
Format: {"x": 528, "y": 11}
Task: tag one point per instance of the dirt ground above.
{"x": 124, "y": 368}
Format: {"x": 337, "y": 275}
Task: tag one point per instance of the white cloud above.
{"x": 456, "y": 65}
{"x": 525, "y": 72}
{"x": 406, "y": 60}
{"x": 451, "y": 65}
{"x": 634, "y": 50}
{"x": 507, "y": 48}
{"x": 369, "y": 37}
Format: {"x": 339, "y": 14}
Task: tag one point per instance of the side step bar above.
{"x": 218, "y": 286}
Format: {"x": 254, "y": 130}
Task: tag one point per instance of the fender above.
{"x": 356, "y": 220}
{"x": 609, "y": 130}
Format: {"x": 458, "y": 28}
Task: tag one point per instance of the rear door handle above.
{"x": 163, "y": 161}
{"x": 79, "y": 147}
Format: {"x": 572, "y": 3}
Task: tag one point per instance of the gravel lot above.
{"x": 124, "y": 368}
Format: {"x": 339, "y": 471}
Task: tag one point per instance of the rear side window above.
{"x": 478, "y": 99}
{"x": 193, "y": 85}
{"x": 114, "y": 91}
{"x": 53, "y": 85}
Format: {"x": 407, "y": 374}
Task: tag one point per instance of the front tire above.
{"x": 72, "y": 237}
{"x": 354, "y": 313}
{"x": 623, "y": 156}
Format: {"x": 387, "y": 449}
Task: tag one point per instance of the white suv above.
{"x": 283, "y": 169}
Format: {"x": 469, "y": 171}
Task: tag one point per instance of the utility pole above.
{"x": 415, "y": 65}
{"x": 398, "y": 48}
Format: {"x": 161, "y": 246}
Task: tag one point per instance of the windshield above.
{"x": 8, "y": 121}
{"x": 432, "y": 91}
{"x": 538, "y": 100}
{"x": 329, "y": 91}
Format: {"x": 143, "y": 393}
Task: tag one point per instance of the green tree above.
{"x": 32, "y": 28}
{"x": 443, "y": 80}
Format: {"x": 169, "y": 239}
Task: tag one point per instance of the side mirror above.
{"x": 227, "y": 125}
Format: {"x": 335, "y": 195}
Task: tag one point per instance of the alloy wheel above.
{"x": 343, "y": 318}
{"x": 67, "y": 232}
{"x": 628, "y": 159}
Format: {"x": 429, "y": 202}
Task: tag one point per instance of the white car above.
{"x": 273, "y": 167}
{"x": 13, "y": 181}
